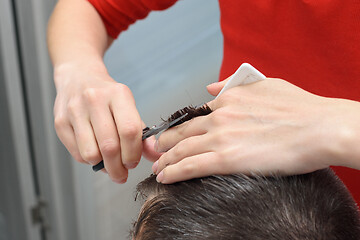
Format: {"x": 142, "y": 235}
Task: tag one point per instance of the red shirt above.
{"x": 314, "y": 44}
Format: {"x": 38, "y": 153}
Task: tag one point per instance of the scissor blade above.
{"x": 167, "y": 125}
{"x": 162, "y": 127}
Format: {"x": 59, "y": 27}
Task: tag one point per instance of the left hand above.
{"x": 266, "y": 127}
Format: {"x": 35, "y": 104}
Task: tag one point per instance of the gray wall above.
{"x": 17, "y": 186}
{"x": 33, "y": 162}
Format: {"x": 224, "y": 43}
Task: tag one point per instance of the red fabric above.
{"x": 118, "y": 15}
{"x": 314, "y": 44}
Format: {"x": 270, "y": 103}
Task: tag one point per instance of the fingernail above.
{"x": 122, "y": 181}
{"x": 155, "y": 167}
{"x": 131, "y": 165}
{"x": 160, "y": 177}
{"x": 211, "y": 84}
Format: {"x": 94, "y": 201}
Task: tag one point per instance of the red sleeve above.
{"x": 117, "y": 15}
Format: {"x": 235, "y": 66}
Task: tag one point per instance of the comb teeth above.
{"x": 191, "y": 112}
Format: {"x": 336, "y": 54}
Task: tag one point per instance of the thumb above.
{"x": 215, "y": 88}
{"x": 149, "y": 149}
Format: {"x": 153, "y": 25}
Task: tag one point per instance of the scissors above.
{"x": 148, "y": 132}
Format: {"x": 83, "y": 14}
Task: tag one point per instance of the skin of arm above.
{"x": 267, "y": 127}
{"x": 89, "y": 107}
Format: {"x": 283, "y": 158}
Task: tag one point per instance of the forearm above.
{"x": 76, "y": 34}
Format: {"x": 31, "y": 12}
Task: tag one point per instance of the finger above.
{"x": 66, "y": 135}
{"x": 108, "y": 142}
{"x": 172, "y": 136}
{"x": 215, "y": 88}
{"x": 224, "y": 100}
{"x": 149, "y": 149}
{"x": 202, "y": 165}
{"x": 86, "y": 141}
{"x": 186, "y": 148}
{"x": 129, "y": 128}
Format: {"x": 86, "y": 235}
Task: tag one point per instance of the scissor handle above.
{"x": 98, "y": 166}
{"x": 147, "y": 132}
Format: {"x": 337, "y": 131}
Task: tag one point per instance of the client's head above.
{"x": 314, "y": 206}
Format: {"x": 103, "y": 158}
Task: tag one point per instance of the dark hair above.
{"x": 191, "y": 112}
{"x": 314, "y": 206}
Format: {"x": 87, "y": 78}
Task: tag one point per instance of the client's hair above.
{"x": 313, "y": 206}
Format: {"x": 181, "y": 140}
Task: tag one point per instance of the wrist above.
{"x": 66, "y": 70}
{"x": 343, "y": 135}
{"x": 80, "y": 63}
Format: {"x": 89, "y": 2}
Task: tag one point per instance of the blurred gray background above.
{"x": 166, "y": 60}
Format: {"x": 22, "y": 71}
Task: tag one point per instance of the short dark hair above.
{"x": 313, "y": 206}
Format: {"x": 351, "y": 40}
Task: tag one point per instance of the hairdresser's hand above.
{"x": 266, "y": 127}
{"x": 96, "y": 119}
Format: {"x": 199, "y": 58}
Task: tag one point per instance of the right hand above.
{"x": 96, "y": 119}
